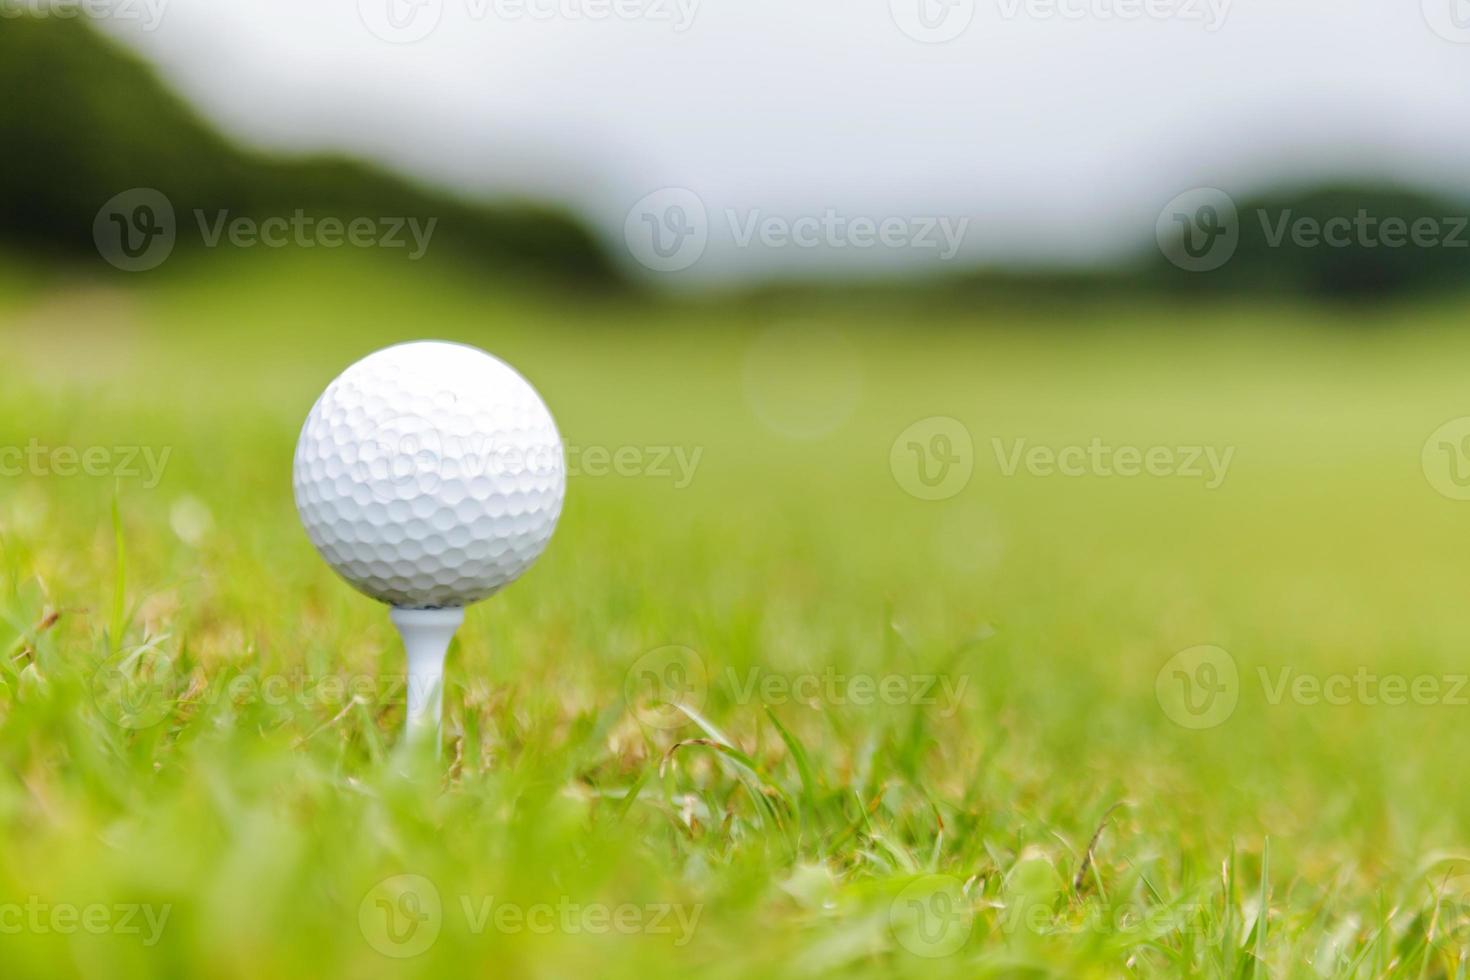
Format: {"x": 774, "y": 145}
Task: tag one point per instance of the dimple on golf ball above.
{"x": 429, "y": 475}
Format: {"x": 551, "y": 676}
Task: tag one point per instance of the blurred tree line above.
{"x": 83, "y": 119}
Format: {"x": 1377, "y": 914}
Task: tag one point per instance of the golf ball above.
{"x": 429, "y": 475}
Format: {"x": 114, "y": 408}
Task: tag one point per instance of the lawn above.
{"x": 913, "y": 737}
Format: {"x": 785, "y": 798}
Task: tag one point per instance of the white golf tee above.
{"x": 426, "y": 636}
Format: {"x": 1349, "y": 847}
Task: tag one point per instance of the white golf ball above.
{"x": 429, "y": 475}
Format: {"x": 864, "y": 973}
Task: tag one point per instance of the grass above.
{"x": 198, "y": 722}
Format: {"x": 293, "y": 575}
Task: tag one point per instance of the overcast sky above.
{"x": 952, "y": 130}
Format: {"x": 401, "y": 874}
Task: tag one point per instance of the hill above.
{"x": 83, "y": 120}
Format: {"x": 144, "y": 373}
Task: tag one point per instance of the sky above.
{"x": 779, "y": 137}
